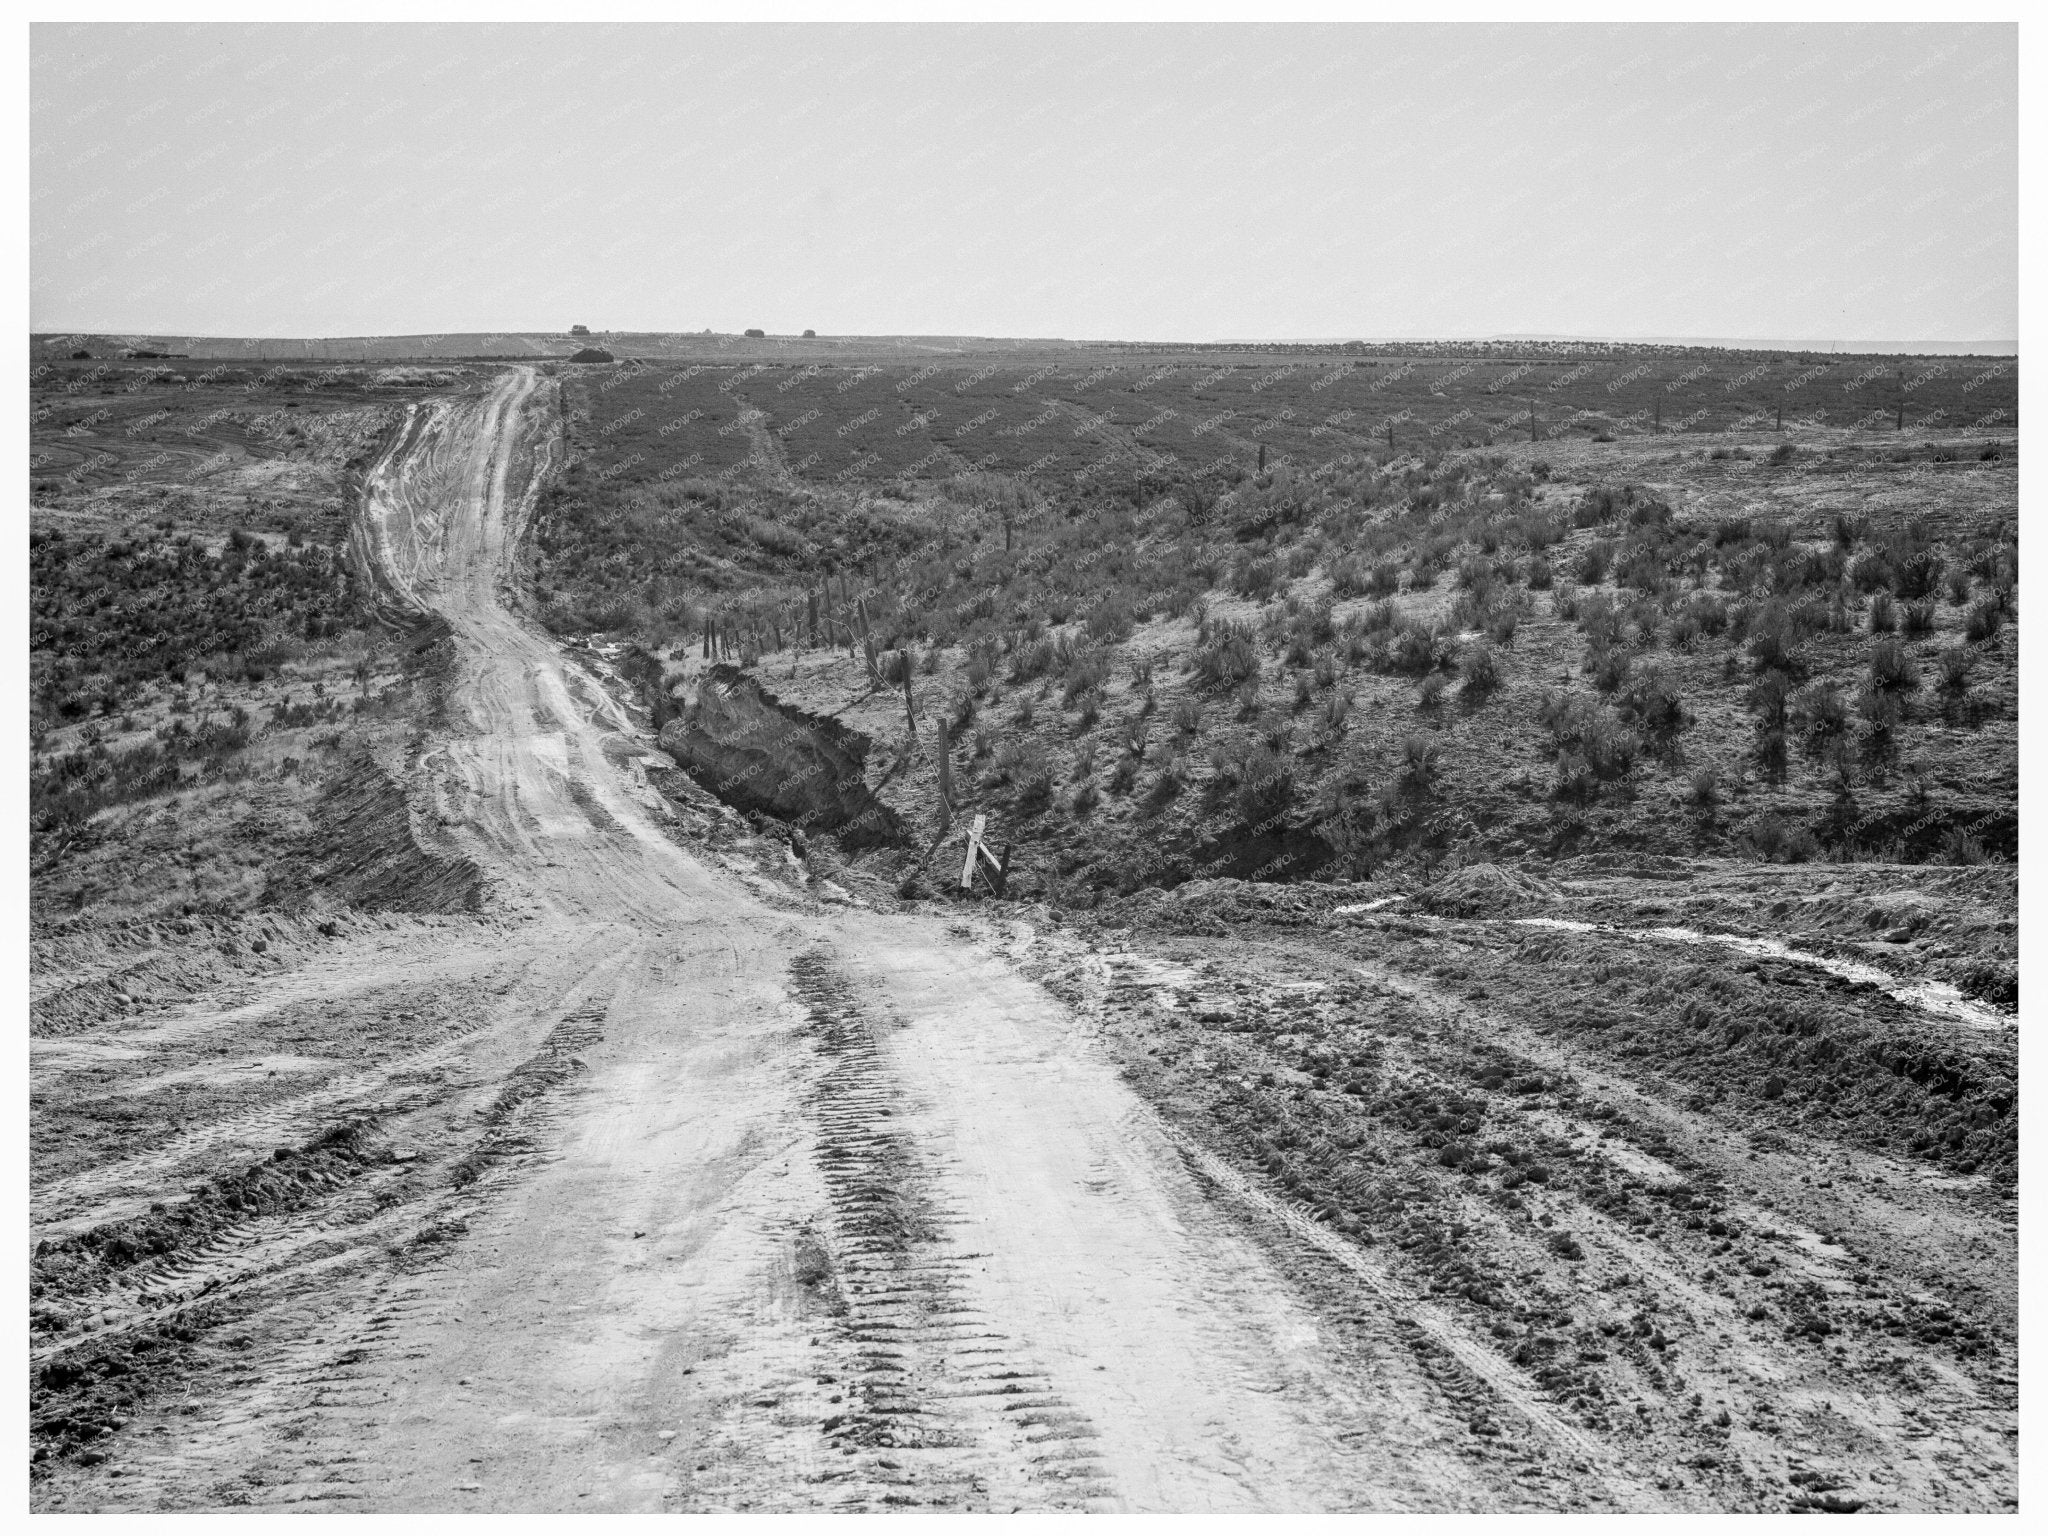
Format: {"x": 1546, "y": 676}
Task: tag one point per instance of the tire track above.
{"x": 944, "y": 1409}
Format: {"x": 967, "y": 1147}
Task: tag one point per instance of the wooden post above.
{"x": 909, "y": 709}
{"x": 1532, "y": 421}
{"x": 811, "y": 599}
{"x": 973, "y": 847}
{"x": 945, "y": 780}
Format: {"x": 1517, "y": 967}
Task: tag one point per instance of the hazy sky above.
{"x": 1142, "y": 182}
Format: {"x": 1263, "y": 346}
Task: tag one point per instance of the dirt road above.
{"x": 699, "y": 1192}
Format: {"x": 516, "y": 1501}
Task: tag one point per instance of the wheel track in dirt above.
{"x": 236, "y": 1262}
{"x": 937, "y": 1376}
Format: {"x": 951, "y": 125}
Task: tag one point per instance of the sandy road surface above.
{"x": 793, "y": 1205}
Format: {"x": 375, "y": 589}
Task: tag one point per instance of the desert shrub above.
{"x": 1892, "y": 668}
{"x": 1415, "y": 649}
{"x": 1920, "y": 618}
{"x": 1649, "y": 701}
{"x": 1304, "y": 690}
{"x": 1335, "y": 714}
{"x": 1959, "y": 847}
{"x": 1884, "y": 616}
{"x": 1124, "y": 775}
{"x": 1187, "y": 717}
{"x": 1871, "y": 571}
{"x": 1026, "y": 712}
{"x": 1769, "y": 698}
{"x": 1820, "y": 716}
{"x": 1774, "y": 637}
{"x": 1703, "y": 789}
{"x": 1031, "y": 658}
{"x": 1880, "y": 708}
{"x": 1419, "y": 763}
{"x": 1228, "y": 658}
{"x": 1684, "y": 632}
{"x": 1590, "y": 565}
{"x": 1539, "y": 577}
{"x": 1770, "y": 752}
{"x": 1016, "y": 761}
{"x": 1959, "y": 586}
{"x": 1983, "y": 621}
{"x": 1479, "y": 672}
{"x": 1954, "y": 663}
{"x": 1476, "y": 574}
{"x": 1593, "y": 746}
{"x": 1916, "y": 573}
{"x": 1258, "y": 780}
{"x": 1709, "y": 612}
{"x": 1085, "y": 674}
{"x": 1608, "y": 668}
{"x": 1111, "y": 621}
{"x": 1771, "y": 839}
{"x": 1840, "y": 620}
{"x": 1422, "y": 575}
{"x": 1781, "y": 455}
{"x": 1431, "y": 694}
{"x": 1600, "y": 621}
{"x": 1255, "y": 579}
{"x": 1501, "y": 626}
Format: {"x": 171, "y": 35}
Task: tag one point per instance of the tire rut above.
{"x": 944, "y": 1409}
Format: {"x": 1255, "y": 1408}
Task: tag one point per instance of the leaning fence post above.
{"x": 973, "y": 848}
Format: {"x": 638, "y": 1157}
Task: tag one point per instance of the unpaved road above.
{"x": 711, "y": 1194}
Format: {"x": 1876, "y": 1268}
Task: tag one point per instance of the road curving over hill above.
{"x": 719, "y": 1193}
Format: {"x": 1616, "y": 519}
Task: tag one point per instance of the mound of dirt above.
{"x": 760, "y": 755}
{"x": 368, "y": 851}
{"x": 1483, "y": 890}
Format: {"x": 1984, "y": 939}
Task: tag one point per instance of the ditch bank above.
{"x": 764, "y": 757}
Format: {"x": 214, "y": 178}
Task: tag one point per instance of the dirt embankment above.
{"x": 763, "y": 756}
